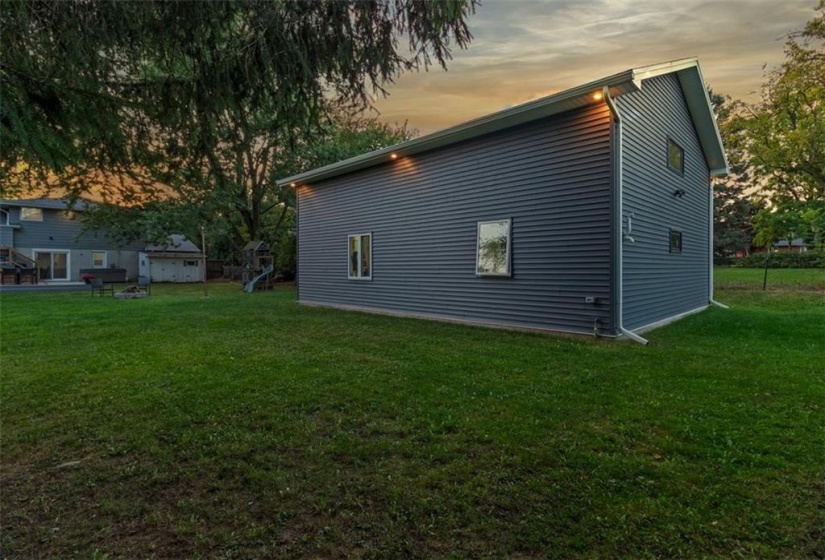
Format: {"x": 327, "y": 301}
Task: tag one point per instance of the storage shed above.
{"x": 587, "y": 211}
{"x": 177, "y": 260}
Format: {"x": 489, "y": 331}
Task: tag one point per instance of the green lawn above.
{"x": 245, "y": 426}
{"x": 779, "y": 279}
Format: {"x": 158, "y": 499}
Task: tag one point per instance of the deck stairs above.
{"x": 17, "y": 268}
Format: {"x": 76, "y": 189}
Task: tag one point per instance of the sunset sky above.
{"x": 525, "y": 49}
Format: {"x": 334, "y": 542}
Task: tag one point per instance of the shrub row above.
{"x": 809, "y": 259}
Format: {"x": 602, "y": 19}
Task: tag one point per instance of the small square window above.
{"x": 675, "y": 156}
{"x": 675, "y": 241}
{"x": 360, "y": 256}
{"x": 493, "y": 248}
{"x": 98, "y": 259}
{"x": 31, "y": 214}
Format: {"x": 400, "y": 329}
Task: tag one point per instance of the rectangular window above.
{"x": 360, "y": 256}
{"x": 98, "y": 259}
{"x": 31, "y": 214}
{"x": 4, "y": 217}
{"x": 190, "y": 263}
{"x": 675, "y": 241}
{"x": 493, "y": 248}
{"x": 675, "y": 156}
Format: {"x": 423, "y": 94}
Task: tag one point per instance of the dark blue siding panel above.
{"x": 7, "y": 236}
{"x": 551, "y": 177}
{"x": 59, "y": 231}
{"x": 659, "y": 284}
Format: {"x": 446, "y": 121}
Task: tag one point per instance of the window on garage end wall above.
{"x": 675, "y": 241}
{"x": 98, "y": 259}
{"x": 675, "y": 156}
{"x": 360, "y": 256}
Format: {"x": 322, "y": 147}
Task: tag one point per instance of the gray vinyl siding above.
{"x": 659, "y": 284}
{"x": 7, "y": 236}
{"x": 59, "y": 232}
{"x": 550, "y": 177}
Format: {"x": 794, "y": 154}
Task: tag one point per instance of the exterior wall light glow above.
{"x": 293, "y": 185}
{"x": 393, "y": 156}
{"x": 598, "y": 96}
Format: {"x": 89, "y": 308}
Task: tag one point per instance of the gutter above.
{"x": 710, "y": 267}
{"x": 620, "y": 237}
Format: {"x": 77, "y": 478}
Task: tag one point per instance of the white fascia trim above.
{"x": 452, "y": 320}
{"x": 695, "y": 90}
{"x": 668, "y": 320}
{"x": 662, "y": 68}
{"x": 566, "y": 100}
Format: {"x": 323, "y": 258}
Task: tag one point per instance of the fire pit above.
{"x": 131, "y": 292}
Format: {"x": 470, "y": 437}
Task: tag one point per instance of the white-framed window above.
{"x": 360, "y": 256}
{"x": 98, "y": 259}
{"x": 675, "y": 156}
{"x": 493, "y": 248}
{"x": 52, "y": 264}
{"x": 31, "y": 214}
{"x": 4, "y": 217}
{"x": 675, "y": 240}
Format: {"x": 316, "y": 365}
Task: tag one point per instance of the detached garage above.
{"x": 588, "y": 211}
{"x": 179, "y": 260}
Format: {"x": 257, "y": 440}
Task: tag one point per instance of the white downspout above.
{"x": 620, "y": 230}
{"x": 710, "y": 267}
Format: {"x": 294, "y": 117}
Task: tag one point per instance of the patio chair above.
{"x": 144, "y": 284}
{"x": 100, "y": 288}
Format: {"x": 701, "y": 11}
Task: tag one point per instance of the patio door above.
{"x": 52, "y": 265}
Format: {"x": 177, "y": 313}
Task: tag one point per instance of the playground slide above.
{"x": 250, "y": 286}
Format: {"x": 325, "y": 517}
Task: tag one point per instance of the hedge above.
{"x": 809, "y": 259}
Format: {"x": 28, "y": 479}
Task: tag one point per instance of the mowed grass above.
{"x": 246, "y": 426}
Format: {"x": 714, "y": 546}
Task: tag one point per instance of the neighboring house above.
{"x": 586, "y": 211}
{"x": 178, "y": 260}
{"x": 793, "y": 246}
{"x": 47, "y": 235}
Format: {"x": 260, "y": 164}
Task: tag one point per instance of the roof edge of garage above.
{"x": 690, "y": 78}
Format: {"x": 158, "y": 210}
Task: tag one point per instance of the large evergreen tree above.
{"x": 78, "y": 77}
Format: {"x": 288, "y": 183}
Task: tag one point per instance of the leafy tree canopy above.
{"x": 735, "y": 203}
{"x": 784, "y": 138}
{"x": 231, "y": 191}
